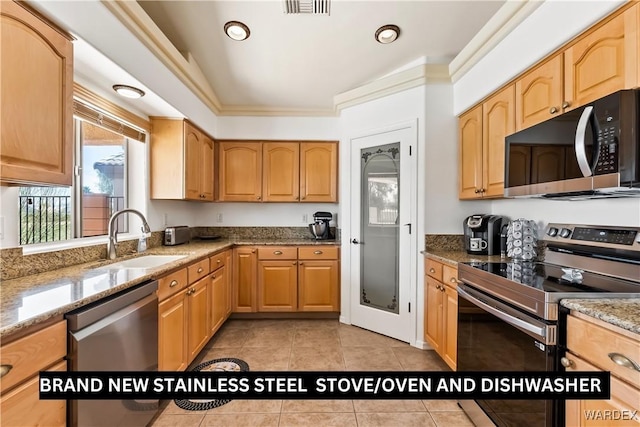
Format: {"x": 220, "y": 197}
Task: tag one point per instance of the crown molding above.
{"x": 408, "y": 79}
{"x": 508, "y": 17}
{"x": 131, "y": 14}
{"x": 252, "y": 110}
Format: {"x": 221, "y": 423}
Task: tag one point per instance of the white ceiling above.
{"x": 300, "y": 62}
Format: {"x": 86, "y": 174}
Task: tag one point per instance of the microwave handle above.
{"x": 587, "y": 116}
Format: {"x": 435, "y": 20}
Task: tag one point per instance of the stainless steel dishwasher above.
{"x": 119, "y": 333}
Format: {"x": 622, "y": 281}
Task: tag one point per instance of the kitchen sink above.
{"x": 145, "y": 261}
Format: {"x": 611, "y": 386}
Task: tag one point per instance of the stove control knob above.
{"x": 552, "y": 231}
{"x": 565, "y": 232}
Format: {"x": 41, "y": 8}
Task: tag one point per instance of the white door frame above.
{"x": 347, "y": 211}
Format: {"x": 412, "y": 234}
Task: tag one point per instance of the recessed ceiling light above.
{"x": 237, "y": 30}
{"x": 128, "y": 91}
{"x": 387, "y": 34}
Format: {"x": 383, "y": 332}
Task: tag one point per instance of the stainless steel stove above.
{"x": 508, "y": 312}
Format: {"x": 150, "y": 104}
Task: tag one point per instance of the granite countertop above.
{"x": 29, "y": 300}
{"x": 624, "y": 313}
{"x": 454, "y": 257}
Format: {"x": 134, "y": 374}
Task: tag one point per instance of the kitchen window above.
{"x": 103, "y": 144}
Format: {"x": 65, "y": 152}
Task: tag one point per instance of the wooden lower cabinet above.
{"x": 277, "y": 285}
{"x": 318, "y": 288}
{"x": 245, "y": 264}
{"x": 197, "y": 310}
{"x": 219, "y": 298}
{"x": 590, "y": 342}
{"x": 172, "y": 334}
{"x": 22, "y": 405}
{"x": 441, "y": 310}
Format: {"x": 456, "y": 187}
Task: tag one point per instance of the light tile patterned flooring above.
{"x": 316, "y": 345}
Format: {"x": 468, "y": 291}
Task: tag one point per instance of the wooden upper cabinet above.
{"x": 539, "y": 93}
{"x": 240, "y": 171}
{"x": 182, "y": 162}
{"x": 198, "y": 184}
{"x": 36, "y": 124}
{"x": 318, "y": 172}
{"x": 498, "y": 121}
{"x": 470, "y": 153}
{"x": 281, "y": 166}
{"x": 603, "y": 60}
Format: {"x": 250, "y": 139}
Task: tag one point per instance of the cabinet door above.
{"x": 603, "y": 61}
{"x": 625, "y": 399}
{"x": 318, "y": 288}
{"x": 219, "y": 298}
{"x": 228, "y": 284}
{"x": 318, "y": 172}
{"x": 450, "y": 327}
{"x": 539, "y": 93}
{"x": 22, "y": 406}
{"x": 244, "y": 279}
{"x": 198, "y": 327}
{"x": 36, "y": 89}
{"x": 470, "y": 154}
{"x": 207, "y": 169}
{"x": 277, "y": 286}
{"x": 281, "y": 171}
{"x": 193, "y": 141}
{"x": 433, "y": 314}
{"x": 240, "y": 175}
{"x": 172, "y": 333}
{"x": 498, "y": 121}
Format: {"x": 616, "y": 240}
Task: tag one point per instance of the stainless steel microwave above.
{"x": 590, "y": 152}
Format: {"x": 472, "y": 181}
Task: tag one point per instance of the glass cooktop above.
{"x": 552, "y": 278}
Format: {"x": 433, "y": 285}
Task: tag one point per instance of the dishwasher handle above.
{"x": 85, "y": 316}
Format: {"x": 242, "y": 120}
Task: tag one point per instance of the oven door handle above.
{"x": 512, "y": 320}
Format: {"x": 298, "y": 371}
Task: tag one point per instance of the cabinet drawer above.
{"x": 23, "y": 407}
{"x": 318, "y": 252}
{"x": 450, "y": 276}
{"x": 218, "y": 260}
{"x": 172, "y": 283}
{"x": 594, "y": 344}
{"x": 278, "y": 252}
{"x": 198, "y": 270}
{"x": 433, "y": 269}
{"x": 33, "y": 353}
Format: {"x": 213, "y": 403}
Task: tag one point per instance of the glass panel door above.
{"x": 379, "y": 213}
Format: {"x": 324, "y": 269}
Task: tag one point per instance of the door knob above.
{"x": 356, "y": 242}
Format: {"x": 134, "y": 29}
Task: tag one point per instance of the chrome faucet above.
{"x": 113, "y": 231}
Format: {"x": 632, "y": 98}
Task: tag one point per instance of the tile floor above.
{"x": 316, "y": 345}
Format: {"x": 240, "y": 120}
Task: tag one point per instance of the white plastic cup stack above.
{"x": 522, "y": 240}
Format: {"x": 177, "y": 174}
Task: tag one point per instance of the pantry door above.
{"x": 382, "y": 185}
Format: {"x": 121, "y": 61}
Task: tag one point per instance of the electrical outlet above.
{"x": 305, "y": 218}
{"x": 220, "y": 217}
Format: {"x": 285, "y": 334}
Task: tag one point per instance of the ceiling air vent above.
{"x": 316, "y": 7}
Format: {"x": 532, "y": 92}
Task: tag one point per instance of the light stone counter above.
{"x": 33, "y": 299}
{"x": 624, "y": 313}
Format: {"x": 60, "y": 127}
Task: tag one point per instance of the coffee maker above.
{"x": 320, "y": 227}
{"x": 482, "y": 234}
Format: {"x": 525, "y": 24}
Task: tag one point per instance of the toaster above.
{"x": 176, "y": 235}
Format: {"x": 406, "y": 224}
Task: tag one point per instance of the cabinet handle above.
{"x": 553, "y": 110}
{"x": 483, "y": 190}
{"x": 277, "y": 252}
{"x": 214, "y": 275}
{"x": 476, "y": 190}
{"x": 190, "y": 291}
{"x": 454, "y": 280}
{"x": 4, "y": 370}
{"x": 567, "y": 363}
{"x": 301, "y": 263}
{"x": 304, "y": 197}
{"x": 294, "y": 263}
{"x": 318, "y": 252}
{"x": 432, "y": 270}
{"x": 622, "y": 360}
{"x": 200, "y": 270}
{"x": 566, "y": 104}
{"x": 173, "y": 283}
{"x": 258, "y": 197}
{"x": 253, "y": 251}
{"x": 219, "y": 261}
